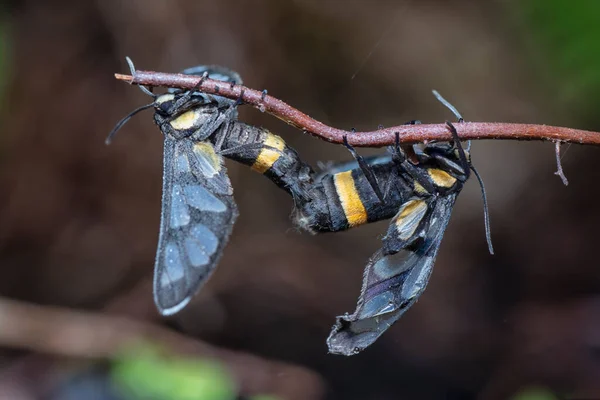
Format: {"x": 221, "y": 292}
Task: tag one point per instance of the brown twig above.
{"x": 90, "y": 336}
{"x": 559, "y": 168}
{"x": 378, "y": 138}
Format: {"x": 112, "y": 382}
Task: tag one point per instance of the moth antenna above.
{"x": 445, "y": 102}
{"x": 461, "y": 151}
{"x": 122, "y": 122}
{"x": 143, "y": 88}
{"x": 449, "y": 106}
{"x": 486, "y": 212}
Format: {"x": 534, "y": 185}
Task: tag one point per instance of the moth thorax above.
{"x": 197, "y": 123}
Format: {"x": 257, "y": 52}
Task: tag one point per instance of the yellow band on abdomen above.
{"x": 355, "y": 211}
{"x": 273, "y": 147}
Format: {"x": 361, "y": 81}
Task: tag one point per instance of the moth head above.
{"x": 448, "y": 157}
{"x": 174, "y": 104}
{"x": 180, "y": 112}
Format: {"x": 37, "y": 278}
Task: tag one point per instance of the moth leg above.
{"x": 228, "y": 116}
{"x": 215, "y": 123}
{"x": 366, "y": 170}
{"x": 398, "y": 154}
{"x": 418, "y": 174}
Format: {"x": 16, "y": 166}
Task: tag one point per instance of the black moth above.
{"x": 198, "y": 208}
{"x": 420, "y": 199}
{"x": 419, "y": 194}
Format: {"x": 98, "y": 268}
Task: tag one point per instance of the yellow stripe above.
{"x": 408, "y": 218}
{"x": 186, "y": 120}
{"x": 441, "y": 178}
{"x": 268, "y": 155}
{"x": 355, "y": 211}
{"x": 209, "y": 160}
{"x": 419, "y": 189}
{"x": 409, "y": 208}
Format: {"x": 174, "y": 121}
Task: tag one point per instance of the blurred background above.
{"x": 79, "y": 220}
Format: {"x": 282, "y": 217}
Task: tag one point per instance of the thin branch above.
{"x": 378, "y": 138}
{"x": 559, "y": 168}
{"x": 88, "y": 335}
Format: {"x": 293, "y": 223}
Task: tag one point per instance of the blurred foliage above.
{"x": 3, "y": 54}
{"x": 263, "y": 397}
{"x": 534, "y": 393}
{"x": 146, "y": 374}
{"x": 4, "y": 60}
{"x": 568, "y": 38}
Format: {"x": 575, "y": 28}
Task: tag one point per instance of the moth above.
{"x": 418, "y": 195}
{"x": 198, "y": 208}
{"x": 419, "y": 199}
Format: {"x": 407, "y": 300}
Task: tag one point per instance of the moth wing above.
{"x": 198, "y": 213}
{"x": 393, "y": 282}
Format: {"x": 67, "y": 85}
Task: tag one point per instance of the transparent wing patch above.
{"x": 198, "y": 213}
{"x": 393, "y": 282}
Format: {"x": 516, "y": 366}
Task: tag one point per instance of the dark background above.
{"x": 79, "y": 220}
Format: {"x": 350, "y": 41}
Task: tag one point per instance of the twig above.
{"x": 559, "y": 168}
{"x": 87, "y": 335}
{"x": 378, "y": 138}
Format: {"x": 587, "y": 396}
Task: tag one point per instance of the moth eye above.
{"x": 164, "y": 103}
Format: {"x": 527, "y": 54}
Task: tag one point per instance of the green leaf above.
{"x": 263, "y": 397}
{"x": 534, "y": 393}
{"x": 145, "y": 374}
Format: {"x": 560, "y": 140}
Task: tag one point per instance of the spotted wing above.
{"x": 198, "y": 213}
{"x": 394, "y": 281}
